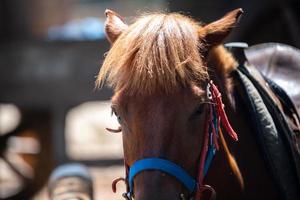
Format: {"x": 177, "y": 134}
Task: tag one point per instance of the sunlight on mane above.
{"x": 158, "y": 53}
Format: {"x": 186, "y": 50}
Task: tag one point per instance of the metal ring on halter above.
{"x": 211, "y": 189}
{"x": 127, "y": 196}
{"x": 208, "y": 92}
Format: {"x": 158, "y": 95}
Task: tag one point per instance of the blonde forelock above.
{"x": 158, "y": 53}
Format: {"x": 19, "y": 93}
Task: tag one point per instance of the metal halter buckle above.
{"x": 208, "y": 92}
{"x": 127, "y": 196}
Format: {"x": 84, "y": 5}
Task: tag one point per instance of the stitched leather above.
{"x": 281, "y": 64}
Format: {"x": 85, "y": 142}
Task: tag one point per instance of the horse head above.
{"x": 161, "y": 68}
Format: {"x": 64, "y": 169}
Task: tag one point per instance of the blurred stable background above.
{"x": 50, "y": 53}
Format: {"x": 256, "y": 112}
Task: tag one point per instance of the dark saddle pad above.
{"x": 281, "y": 64}
{"x": 276, "y": 123}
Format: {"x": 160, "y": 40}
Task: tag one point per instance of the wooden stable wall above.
{"x": 30, "y": 19}
{"x": 43, "y": 74}
{"x": 52, "y": 76}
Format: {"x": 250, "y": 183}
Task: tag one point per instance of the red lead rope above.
{"x": 216, "y": 99}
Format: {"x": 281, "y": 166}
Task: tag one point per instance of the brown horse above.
{"x": 159, "y": 67}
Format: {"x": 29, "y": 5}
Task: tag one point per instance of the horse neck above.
{"x": 221, "y": 63}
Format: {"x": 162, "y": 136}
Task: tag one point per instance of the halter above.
{"x": 216, "y": 117}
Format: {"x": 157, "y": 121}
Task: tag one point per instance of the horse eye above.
{"x": 119, "y": 119}
{"x": 199, "y": 110}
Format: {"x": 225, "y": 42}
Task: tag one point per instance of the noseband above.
{"x": 195, "y": 186}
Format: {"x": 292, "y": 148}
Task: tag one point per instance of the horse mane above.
{"x": 223, "y": 63}
{"x": 158, "y": 53}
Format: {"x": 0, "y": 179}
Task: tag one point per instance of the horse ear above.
{"x": 215, "y": 32}
{"x": 114, "y": 25}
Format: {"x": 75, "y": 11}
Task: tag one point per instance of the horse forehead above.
{"x": 145, "y": 105}
{"x": 166, "y": 106}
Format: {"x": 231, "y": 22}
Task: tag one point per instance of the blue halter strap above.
{"x": 211, "y": 147}
{"x": 173, "y": 169}
{"x": 162, "y": 165}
